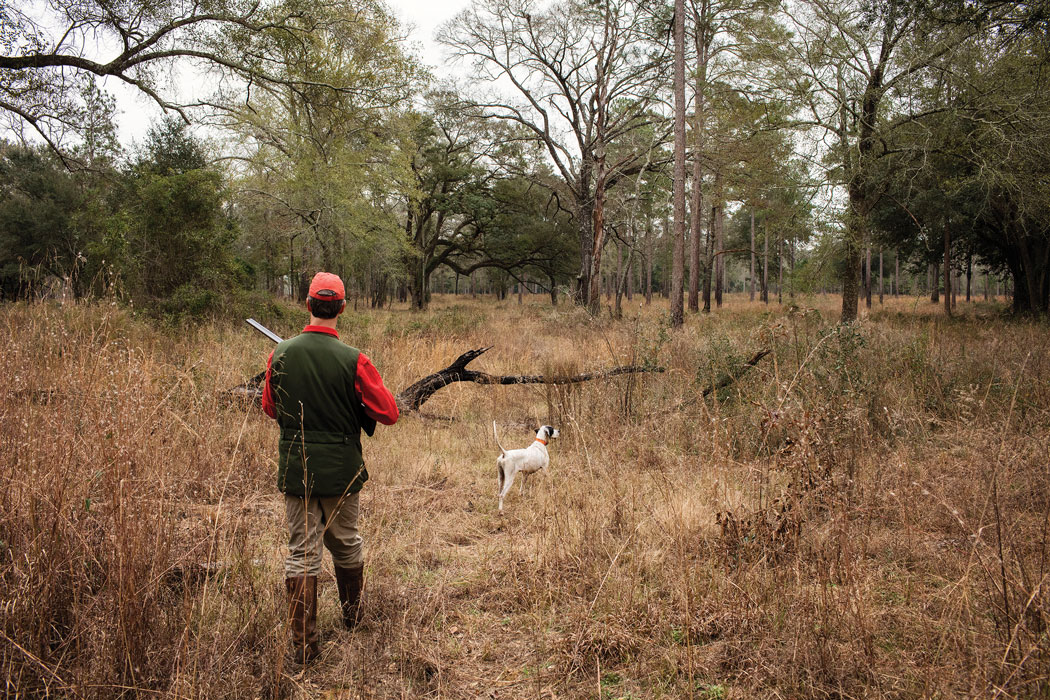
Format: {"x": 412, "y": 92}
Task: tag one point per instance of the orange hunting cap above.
{"x": 327, "y": 287}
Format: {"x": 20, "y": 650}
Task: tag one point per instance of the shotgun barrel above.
{"x": 264, "y": 330}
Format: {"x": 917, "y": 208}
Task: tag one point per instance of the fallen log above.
{"x": 740, "y": 371}
{"x": 725, "y": 380}
{"x": 416, "y": 395}
{"x": 411, "y": 398}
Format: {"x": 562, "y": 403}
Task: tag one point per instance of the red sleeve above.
{"x": 379, "y": 402}
{"x": 268, "y": 404}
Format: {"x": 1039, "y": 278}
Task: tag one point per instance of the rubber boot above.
{"x": 302, "y": 616}
{"x": 350, "y": 581}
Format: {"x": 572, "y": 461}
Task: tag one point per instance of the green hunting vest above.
{"x": 312, "y": 381}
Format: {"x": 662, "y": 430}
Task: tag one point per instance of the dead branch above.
{"x": 417, "y": 394}
{"x": 739, "y": 372}
{"x": 414, "y": 396}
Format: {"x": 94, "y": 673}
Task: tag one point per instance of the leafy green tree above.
{"x": 323, "y": 153}
{"x": 853, "y": 69}
{"x": 171, "y": 238}
{"x": 974, "y": 178}
{"x": 38, "y": 236}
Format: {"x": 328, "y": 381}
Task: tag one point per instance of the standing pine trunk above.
{"x": 867, "y": 276}
{"x": 696, "y": 204}
{"x": 780, "y": 270}
{"x": 969, "y": 273}
{"x": 720, "y": 261}
{"x": 880, "y": 275}
{"x": 648, "y": 261}
{"x": 630, "y": 277}
{"x": 947, "y": 270}
{"x": 678, "y": 261}
{"x": 709, "y": 259}
{"x": 765, "y": 264}
{"x": 752, "y": 255}
{"x": 935, "y": 277}
{"x": 896, "y": 273}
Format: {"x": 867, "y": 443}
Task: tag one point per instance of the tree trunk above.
{"x": 709, "y": 260}
{"x": 851, "y": 279}
{"x": 419, "y": 283}
{"x": 648, "y": 262}
{"x": 969, "y": 274}
{"x": 678, "y": 186}
{"x": 594, "y": 302}
{"x": 630, "y": 274}
{"x": 618, "y": 284}
{"x": 765, "y": 264}
{"x": 867, "y": 276}
{"x": 780, "y": 270}
{"x": 947, "y": 270}
{"x": 585, "y": 221}
{"x": 720, "y": 260}
{"x": 752, "y": 255}
{"x": 896, "y": 273}
{"x": 880, "y": 276}
{"x": 860, "y": 199}
{"x": 696, "y": 205}
{"x": 935, "y": 291}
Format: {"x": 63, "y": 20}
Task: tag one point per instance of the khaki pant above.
{"x": 316, "y": 520}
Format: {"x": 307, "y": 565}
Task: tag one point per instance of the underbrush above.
{"x": 863, "y": 513}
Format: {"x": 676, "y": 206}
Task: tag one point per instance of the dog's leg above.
{"x": 508, "y": 481}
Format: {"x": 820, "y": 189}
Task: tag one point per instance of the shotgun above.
{"x": 366, "y": 422}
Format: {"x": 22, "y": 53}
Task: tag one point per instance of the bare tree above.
{"x": 579, "y": 77}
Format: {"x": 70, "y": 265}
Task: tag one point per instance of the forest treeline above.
{"x": 815, "y": 143}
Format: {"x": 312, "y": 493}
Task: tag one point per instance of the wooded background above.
{"x": 621, "y": 147}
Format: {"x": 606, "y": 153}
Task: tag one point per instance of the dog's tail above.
{"x": 495, "y": 435}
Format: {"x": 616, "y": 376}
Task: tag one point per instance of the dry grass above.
{"x": 865, "y": 514}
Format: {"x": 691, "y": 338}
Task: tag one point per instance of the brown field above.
{"x": 865, "y": 514}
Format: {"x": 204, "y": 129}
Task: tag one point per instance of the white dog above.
{"x": 526, "y": 460}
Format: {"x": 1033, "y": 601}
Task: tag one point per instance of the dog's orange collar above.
{"x": 542, "y": 442}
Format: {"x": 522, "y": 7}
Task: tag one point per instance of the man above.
{"x": 322, "y": 393}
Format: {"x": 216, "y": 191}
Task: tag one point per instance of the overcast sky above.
{"x": 424, "y": 17}
{"x": 420, "y": 17}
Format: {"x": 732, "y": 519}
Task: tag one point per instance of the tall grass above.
{"x": 864, "y": 514}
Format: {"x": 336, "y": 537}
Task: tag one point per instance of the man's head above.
{"x": 327, "y": 297}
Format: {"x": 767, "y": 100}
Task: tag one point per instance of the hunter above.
{"x": 322, "y": 393}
